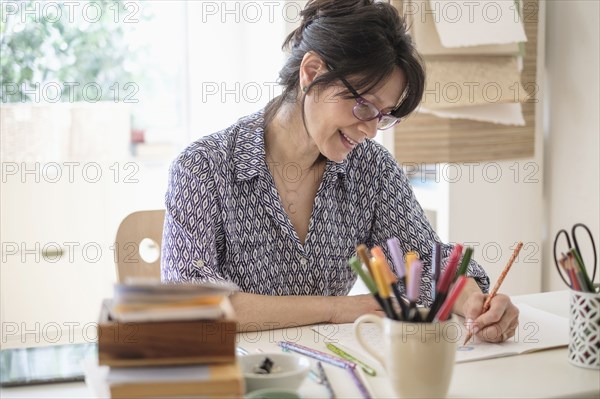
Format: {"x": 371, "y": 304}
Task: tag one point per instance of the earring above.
{"x": 305, "y": 89}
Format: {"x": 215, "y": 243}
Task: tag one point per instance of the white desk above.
{"x": 541, "y": 374}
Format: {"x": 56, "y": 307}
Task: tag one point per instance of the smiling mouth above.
{"x": 348, "y": 139}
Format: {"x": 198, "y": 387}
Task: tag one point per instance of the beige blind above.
{"x": 424, "y": 138}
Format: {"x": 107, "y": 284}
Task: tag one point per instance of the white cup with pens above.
{"x": 419, "y": 346}
{"x": 418, "y": 357}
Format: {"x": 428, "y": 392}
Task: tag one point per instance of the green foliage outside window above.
{"x": 64, "y": 54}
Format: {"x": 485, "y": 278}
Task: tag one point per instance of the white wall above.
{"x": 559, "y": 186}
{"x": 495, "y": 204}
{"x": 571, "y": 126}
{"x": 56, "y": 299}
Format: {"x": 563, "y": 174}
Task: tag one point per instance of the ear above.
{"x": 310, "y": 68}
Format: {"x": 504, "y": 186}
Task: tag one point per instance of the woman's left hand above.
{"x": 498, "y": 324}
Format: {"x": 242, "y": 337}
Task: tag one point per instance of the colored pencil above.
{"x": 446, "y": 308}
{"x": 445, "y": 281}
{"x": 327, "y": 358}
{"x": 488, "y": 301}
{"x": 366, "y": 278}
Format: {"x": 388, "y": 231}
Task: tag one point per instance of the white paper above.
{"x": 100, "y": 378}
{"x": 474, "y": 23}
{"x": 537, "y": 330}
{"x": 158, "y": 374}
{"x": 502, "y": 113}
{"x": 465, "y": 81}
{"x": 169, "y": 314}
{"x": 428, "y": 41}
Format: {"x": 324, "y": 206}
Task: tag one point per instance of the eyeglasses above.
{"x": 367, "y": 111}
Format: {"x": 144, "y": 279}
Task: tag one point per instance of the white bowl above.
{"x": 288, "y": 371}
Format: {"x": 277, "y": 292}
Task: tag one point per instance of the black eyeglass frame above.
{"x": 361, "y": 101}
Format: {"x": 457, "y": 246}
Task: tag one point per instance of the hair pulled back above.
{"x": 362, "y": 39}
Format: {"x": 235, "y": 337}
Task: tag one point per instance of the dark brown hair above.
{"x": 362, "y": 39}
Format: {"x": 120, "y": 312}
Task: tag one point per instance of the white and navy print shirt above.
{"x": 225, "y": 220}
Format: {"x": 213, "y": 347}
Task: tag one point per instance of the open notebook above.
{"x": 537, "y": 330}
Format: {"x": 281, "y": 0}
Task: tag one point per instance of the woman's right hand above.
{"x": 346, "y": 309}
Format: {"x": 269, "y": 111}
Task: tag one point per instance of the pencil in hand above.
{"x": 494, "y": 291}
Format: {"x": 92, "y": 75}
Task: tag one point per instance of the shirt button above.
{"x": 303, "y": 261}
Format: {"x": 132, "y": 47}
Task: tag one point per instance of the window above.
{"x": 74, "y": 167}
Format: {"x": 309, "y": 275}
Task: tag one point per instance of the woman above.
{"x": 278, "y": 202}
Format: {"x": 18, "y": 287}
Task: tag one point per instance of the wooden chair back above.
{"x": 132, "y": 230}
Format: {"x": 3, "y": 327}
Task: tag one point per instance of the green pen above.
{"x": 462, "y": 270}
{"x": 366, "y": 278}
{"x": 367, "y": 369}
{"x": 355, "y": 265}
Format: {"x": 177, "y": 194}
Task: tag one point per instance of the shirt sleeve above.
{"x": 192, "y": 230}
{"x": 398, "y": 214}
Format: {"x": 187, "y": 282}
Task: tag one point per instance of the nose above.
{"x": 369, "y": 128}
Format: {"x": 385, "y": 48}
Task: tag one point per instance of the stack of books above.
{"x": 167, "y": 340}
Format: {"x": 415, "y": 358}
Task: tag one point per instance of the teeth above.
{"x": 349, "y": 139}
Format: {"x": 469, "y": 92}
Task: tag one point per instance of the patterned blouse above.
{"x": 225, "y": 220}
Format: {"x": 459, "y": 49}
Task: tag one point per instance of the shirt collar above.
{"x": 249, "y": 147}
{"x": 338, "y": 167}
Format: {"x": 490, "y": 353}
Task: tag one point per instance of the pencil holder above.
{"x": 418, "y": 357}
{"x": 584, "y": 329}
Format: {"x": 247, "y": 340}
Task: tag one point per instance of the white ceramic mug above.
{"x": 418, "y": 357}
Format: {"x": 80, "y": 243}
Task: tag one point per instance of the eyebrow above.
{"x": 379, "y": 101}
{"x": 355, "y": 93}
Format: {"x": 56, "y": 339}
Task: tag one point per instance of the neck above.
{"x": 286, "y": 139}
